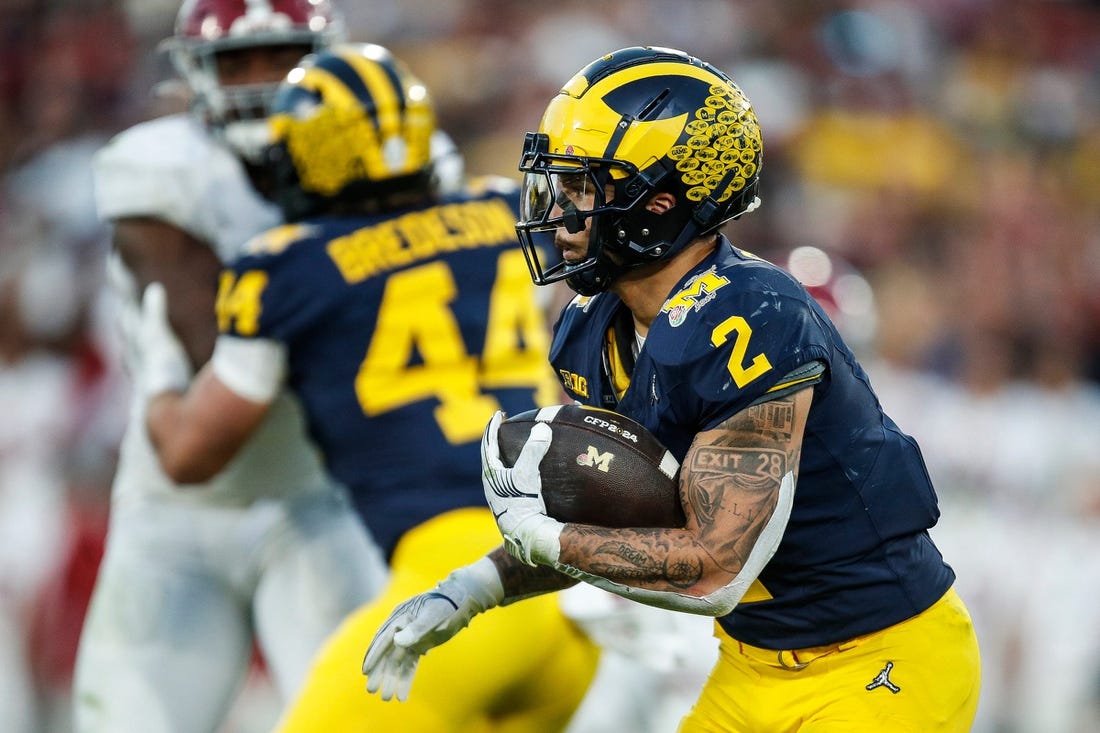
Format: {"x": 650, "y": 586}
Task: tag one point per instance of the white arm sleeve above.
{"x": 253, "y": 368}
{"x": 723, "y": 600}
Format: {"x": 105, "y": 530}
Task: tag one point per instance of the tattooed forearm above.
{"x": 639, "y": 557}
{"x": 639, "y": 563}
{"x": 523, "y": 581}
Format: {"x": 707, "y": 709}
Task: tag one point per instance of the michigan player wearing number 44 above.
{"x": 807, "y": 509}
{"x": 402, "y": 320}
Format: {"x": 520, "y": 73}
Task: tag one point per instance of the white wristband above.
{"x": 536, "y": 540}
{"x": 481, "y": 581}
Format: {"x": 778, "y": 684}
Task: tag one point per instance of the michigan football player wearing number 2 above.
{"x": 807, "y": 508}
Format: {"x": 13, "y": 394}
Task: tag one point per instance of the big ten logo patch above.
{"x": 574, "y": 383}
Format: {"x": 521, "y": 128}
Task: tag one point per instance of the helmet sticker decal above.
{"x": 720, "y": 141}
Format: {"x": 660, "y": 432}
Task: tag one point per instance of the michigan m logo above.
{"x": 594, "y": 458}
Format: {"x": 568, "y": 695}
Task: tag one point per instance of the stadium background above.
{"x": 947, "y": 151}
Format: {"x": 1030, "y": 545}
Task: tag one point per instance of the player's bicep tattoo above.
{"x": 729, "y": 485}
{"x": 732, "y": 477}
{"x": 716, "y": 469}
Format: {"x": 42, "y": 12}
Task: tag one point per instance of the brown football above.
{"x": 602, "y": 468}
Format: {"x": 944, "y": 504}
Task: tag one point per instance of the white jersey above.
{"x": 172, "y": 169}
{"x": 270, "y": 552}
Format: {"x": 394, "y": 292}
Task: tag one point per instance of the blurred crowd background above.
{"x": 931, "y": 167}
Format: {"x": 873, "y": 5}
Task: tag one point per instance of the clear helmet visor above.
{"x": 558, "y": 198}
{"x": 536, "y": 228}
{"x": 535, "y": 198}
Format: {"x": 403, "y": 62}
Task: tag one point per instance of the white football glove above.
{"x": 164, "y": 363}
{"x": 515, "y": 495}
{"x": 426, "y": 621}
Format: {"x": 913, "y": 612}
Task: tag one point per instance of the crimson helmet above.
{"x": 205, "y": 28}
{"x": 634, "y": 123}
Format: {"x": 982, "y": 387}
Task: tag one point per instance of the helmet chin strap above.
{"x": 595, "y": 275}
{"x": 599, "y": 276}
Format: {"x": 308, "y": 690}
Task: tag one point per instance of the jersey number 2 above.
{"x": 742, "y": 372}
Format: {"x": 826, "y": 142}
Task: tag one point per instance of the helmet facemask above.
{"x": 552, "y": 185}
{"x": 238, "y": 112}
{"x": 209, "y": 29}
{"x": 625, "y": 232}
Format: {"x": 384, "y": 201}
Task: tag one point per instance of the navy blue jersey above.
{"x": 856, "y": 556}
{"x": 404, "y": 333}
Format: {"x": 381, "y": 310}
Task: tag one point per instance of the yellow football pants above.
{"x": 522, "y": 668}
{"x": 920, "y": 676}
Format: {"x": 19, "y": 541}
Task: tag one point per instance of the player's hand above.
{"x": 426, "y": 621}
{"x": 164, "y": 363}
{"x": 515, "y": 495}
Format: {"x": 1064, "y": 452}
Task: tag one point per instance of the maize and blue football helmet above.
{"x": 350, "y": 125}
{"x": 635, "y": 123}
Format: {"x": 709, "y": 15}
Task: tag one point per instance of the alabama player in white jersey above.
{"x": 269, "y": 552}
